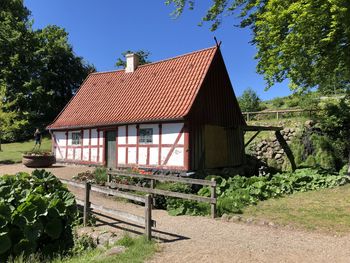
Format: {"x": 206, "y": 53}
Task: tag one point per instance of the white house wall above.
{"x": 89, "y": 151}
{"x": 168, "y": 149}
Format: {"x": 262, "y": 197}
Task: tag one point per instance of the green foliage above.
{"x": 100, "y": 175}
{"x": 249, "y": 101}
{"x": 238, "y": 192}
{"x": 39, "y": 72}
{"x": 142, "y": 54}
{"x": 305, "y": 41}
{"x": 36, "y": 213}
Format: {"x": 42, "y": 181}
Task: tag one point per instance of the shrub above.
{"x": 36, "y": 213}
{"x": 100, "y": 175}
{"x": 237, "y": 192}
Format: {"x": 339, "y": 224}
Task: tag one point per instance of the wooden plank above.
{"x": 87, "y": 203}
{"x": 120, "y": 214}
{"x": 165, "y": 193}
{"x": 108, "y": 191}
{"x": 213, "y": 195}
{"x": 165, "y": 178}
{"x": 262, "y": 128}
{"x": 148, "y": 217}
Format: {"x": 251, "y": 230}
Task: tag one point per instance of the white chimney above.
{"x": 132, "y": 62}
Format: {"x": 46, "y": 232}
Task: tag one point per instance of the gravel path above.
{"x": 201, "y": 239}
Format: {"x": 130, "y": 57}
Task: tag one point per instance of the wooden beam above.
{"x": 251, "y": 139}
{"x": 165, "y": 193}
{"x": 286, "y": 149}
{"x": 262, "y": 128}
{"x": 165, "y": 178}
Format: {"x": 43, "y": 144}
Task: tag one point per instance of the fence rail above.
{"x": 88, "y": 205}
{"x": 278, "y": 113}
{"x": 163, "y": 178}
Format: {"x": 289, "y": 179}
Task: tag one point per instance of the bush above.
{"x": 100, "y": 175}
{"x": 237, "y": 192}
{"x": 36, "y": 215}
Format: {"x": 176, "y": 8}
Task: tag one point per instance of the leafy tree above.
{"x": 39, "y": 71}
{"x": 335, "y": 122}
{"x": 142, "y": 54}
{"x": 305, "y": 41}
{"x": 249, "y": 101}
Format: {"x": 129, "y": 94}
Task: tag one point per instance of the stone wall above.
{"x": 270, "y": 151}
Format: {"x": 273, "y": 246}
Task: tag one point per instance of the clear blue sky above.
{"x": 100, "y": 31}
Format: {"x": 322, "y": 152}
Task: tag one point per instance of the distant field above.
{"x": 326, "y": 210}
{"x": 12, "y": 152}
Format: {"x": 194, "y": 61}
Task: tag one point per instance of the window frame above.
{"x": 77, "y": 140}
{"x": 145, "y": 136}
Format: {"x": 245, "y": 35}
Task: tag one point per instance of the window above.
{"x": 76, "y": 136}
{"x": 146, "y": 135}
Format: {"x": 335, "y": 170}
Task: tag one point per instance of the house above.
{"x": 176, "y": 114}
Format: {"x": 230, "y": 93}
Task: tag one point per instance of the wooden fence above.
{"x": 88, "y": 205}
{"x": 163, "y": 178}
{"x": 278, "y": 113}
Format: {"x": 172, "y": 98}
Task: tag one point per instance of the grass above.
{"x": 326, "y": 210}
{"x": 12, "y": 152}
{"x": 137, "y": 251}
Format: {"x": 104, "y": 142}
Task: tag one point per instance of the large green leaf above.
{"x": 5, "y": 242}
{"x": 54, "y": 228}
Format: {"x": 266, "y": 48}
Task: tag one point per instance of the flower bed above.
{"x": 38, "y": 159}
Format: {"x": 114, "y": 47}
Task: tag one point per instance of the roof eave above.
{"x": 112, "y": 124}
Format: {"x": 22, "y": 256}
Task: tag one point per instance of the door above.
{"x": 111, "y": 149}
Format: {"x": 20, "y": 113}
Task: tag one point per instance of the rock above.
{"x": 114, "y": 251}
{"x": 104, "y": 238}
{"x": 278, "y": 156}
{"x": 225, "y": 217}
{"x": 262, "y": 223}
{"x": 286, "y": 130}
{"x": 272, "y": 224}
{"x": 236, "y": 218}
{"x": 281, "y": 151}
{"x": 309, "y": 123}
{"x": 250, "y": 220}
{"x": 285, "y": 137}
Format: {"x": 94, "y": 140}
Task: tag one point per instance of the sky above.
{"x": 100, "y": 31}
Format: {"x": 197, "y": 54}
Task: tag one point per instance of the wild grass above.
{"x": 12, "y": 152}
{"x": 326, "y": 210}
{"x": 137, "y": 251}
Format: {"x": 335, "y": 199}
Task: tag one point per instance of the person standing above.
{"x": 37, "y": 137}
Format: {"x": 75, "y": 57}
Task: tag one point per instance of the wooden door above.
{"x": 111, "y": 149}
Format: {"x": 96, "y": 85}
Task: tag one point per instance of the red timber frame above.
{"x": 160, "y": 145}
{"x": 81, "y": 146}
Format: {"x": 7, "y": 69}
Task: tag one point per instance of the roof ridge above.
{"x": 159, "y": 61}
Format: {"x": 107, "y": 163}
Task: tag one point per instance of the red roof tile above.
{"x": 163, "y": 90}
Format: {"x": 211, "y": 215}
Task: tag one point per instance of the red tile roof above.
{"x": 163, "y": 90}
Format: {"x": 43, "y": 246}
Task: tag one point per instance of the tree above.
{"x": 142, "y": 54}
{"x": 335, "y": 122}
{"x": 305, "y": 41}
{"x": 249, "y": 101}
{"x": 39, "y": 71}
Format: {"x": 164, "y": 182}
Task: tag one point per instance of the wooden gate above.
{"x": 111, "y": 149}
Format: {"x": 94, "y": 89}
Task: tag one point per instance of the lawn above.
{"x": 12, "y": 152}
{"x": 326, "y": 210}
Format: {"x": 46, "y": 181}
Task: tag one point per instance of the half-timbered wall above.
{"x": 89, "y": 150}
{"x": 166, "y": 148}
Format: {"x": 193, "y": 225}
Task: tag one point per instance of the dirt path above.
{"x": 200, "y": 239}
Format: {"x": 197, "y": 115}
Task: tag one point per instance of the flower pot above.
{"x": 38, "y": 161}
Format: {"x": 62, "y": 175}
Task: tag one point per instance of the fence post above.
{"x": 109, "y": 178}
{"x": 152, "y": 195}
{"x": 213, "y": 195}
{"x": 248, "y": 117}
{"x": 148, "y": 217}
{"x": 277, "y": 115}
{"x": 87, "y": 203}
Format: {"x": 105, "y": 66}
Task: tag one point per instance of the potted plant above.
{"x": 38, "y": 159}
